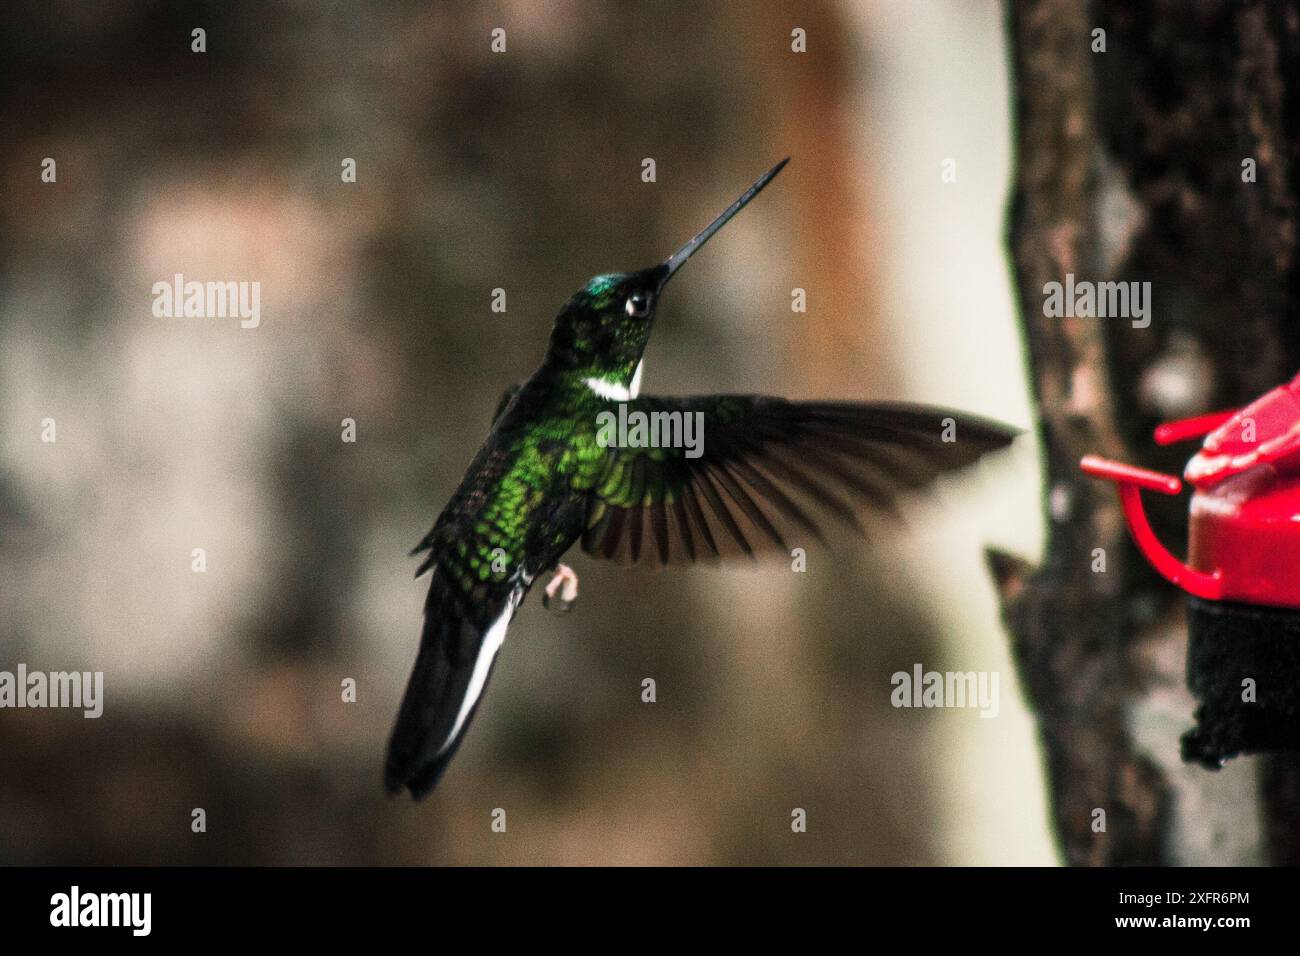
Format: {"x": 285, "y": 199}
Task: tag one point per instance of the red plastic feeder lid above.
{"x": 1265, "y": 432}
{"x": 1244, "y": 535}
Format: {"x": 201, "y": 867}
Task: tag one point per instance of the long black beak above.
{"x": 679, "y": 257}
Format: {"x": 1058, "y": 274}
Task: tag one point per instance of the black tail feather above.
{"x": 422, "y": 743}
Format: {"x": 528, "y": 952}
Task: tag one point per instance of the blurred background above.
{"x": 478, "y": 170}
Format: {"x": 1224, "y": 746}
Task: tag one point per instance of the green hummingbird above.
{"x": 552, "y": 473}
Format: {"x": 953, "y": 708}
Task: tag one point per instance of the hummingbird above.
{"x": 546, "y": 479}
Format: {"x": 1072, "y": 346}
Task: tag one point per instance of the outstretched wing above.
{"x": 745, "y": 470}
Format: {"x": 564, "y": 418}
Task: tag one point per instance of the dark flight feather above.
{"x": 771, "y": 468}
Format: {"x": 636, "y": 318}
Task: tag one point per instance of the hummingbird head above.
{"x": 603, "y": 329}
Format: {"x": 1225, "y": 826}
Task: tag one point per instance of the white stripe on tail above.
{"x": 492, "y": 641}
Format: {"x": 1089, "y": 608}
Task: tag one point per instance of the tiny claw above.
{"x": 566, "y": 583}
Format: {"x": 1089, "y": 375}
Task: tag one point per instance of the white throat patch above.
{"x": 613, "y": 391}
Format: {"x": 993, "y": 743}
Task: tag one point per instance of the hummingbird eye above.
{"x": 637, "y": 305}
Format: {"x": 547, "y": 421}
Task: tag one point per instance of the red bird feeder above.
{"x": 1242, "y": 573}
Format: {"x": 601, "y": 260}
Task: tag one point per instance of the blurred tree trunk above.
{"x": 1130, "y": 168}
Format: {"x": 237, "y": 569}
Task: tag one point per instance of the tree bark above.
{"x": 1130, "y": 167}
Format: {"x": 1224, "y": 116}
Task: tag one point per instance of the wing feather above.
{"x": 770, "y": 468}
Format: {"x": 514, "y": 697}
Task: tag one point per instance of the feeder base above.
{"x": 1243, "y": 666}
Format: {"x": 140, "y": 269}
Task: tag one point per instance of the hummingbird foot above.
{"x": 565, "y": 583}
